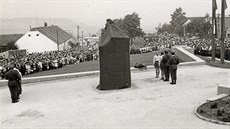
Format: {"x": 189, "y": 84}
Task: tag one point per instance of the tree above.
{"x": 11, "y": 46}
{"x": 164, "y": 28}
{"x": 176, "y": 24}
{"x": 130, "y": 24}
{"x": 199, "y": 26}
{"x": 177, "y": 20}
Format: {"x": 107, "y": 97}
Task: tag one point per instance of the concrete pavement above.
{"x": 150, "y": 103}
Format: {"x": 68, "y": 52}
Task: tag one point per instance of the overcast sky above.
{"x": 95, "y": 12}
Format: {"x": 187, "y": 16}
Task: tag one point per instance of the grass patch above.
{"x": 145, "y": 58}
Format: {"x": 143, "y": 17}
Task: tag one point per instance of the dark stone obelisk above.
{"x": 114, "y": 58}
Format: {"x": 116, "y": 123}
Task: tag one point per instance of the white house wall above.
{"x": 36, "y": 42}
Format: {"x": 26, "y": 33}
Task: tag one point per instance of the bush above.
{"x": 226, "y": 118}
{"x": 214, "y": 105}
{"x": 220, "y": 112}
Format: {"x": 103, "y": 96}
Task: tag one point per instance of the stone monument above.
{"x": 114, "y": 58}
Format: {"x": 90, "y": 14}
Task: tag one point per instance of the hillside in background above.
{"x": 22, "y": 25}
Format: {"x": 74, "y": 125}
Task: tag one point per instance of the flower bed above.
{"x": 218, "y": 110}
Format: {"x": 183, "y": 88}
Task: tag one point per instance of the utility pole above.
{"x": 57, "y": 41}
{"x": 218, "y": 26}
{"x": 214, "y": 29}
{"x": 37, "y": 20}
{"x": 184, "y": 35}
{"x": 82, "y": 37}
{"x": 223, "y": 7}
{"x": 78, "y": 34}
{"x": 50, "y": 21}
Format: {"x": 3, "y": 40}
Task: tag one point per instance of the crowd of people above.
{"x": 36, "y": 62}
{"x": 164, "y": 40}
{"x": 201, "y": 46}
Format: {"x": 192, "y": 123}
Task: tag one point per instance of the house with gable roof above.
{"x": 47, "y": 38}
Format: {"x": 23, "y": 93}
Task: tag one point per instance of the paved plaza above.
{"x": 150, "y": 103}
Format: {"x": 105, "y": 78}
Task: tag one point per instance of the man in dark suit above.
{"x": 162, "y": 67}
{"x": 173, "y": 62}
{"x": 165, "y": 60}
{"x": 13, "y": 78}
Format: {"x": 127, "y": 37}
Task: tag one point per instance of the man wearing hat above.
{"x": 165, "y": 60}
{"x": 13, "y": 78}
{"x": 162, "y": 66}
{"x": 173, "y": 62}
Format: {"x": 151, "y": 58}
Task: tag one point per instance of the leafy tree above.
{"x": 11, "y": 46}
{"x": 130, "y": 24}
{"x": 176, "y": 24}
{"x": 177, "y": 20}
{"x": 164, "y": 28}
{"x": 178, "y": 17}
{"x": 199, "y": 26}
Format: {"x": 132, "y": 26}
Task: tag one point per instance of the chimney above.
{"x": 45, "y": 24}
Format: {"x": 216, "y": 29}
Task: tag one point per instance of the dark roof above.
{"x": 51, "y": 33}
{"x": 4, "y": 39}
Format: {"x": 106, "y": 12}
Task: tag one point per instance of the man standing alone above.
{"x": 156, "y": 64}
{"x": 173, "y": 62}
{"x": 13, "y": 78}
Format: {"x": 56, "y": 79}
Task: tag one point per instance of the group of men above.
{"x": 166, "y": 64}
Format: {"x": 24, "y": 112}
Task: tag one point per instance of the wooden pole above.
{"x": 184, "y": 36}
{"x": 78, "y": 35}
{"x": 218, "y": 26}
{"x": 57, "y": 41}
{"x": 82, "y": 38}
{"x": 222, "y": 31}
{"x": 213, "y": 31}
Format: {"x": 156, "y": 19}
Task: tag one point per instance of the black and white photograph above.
{"x": 114, "y": 64}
